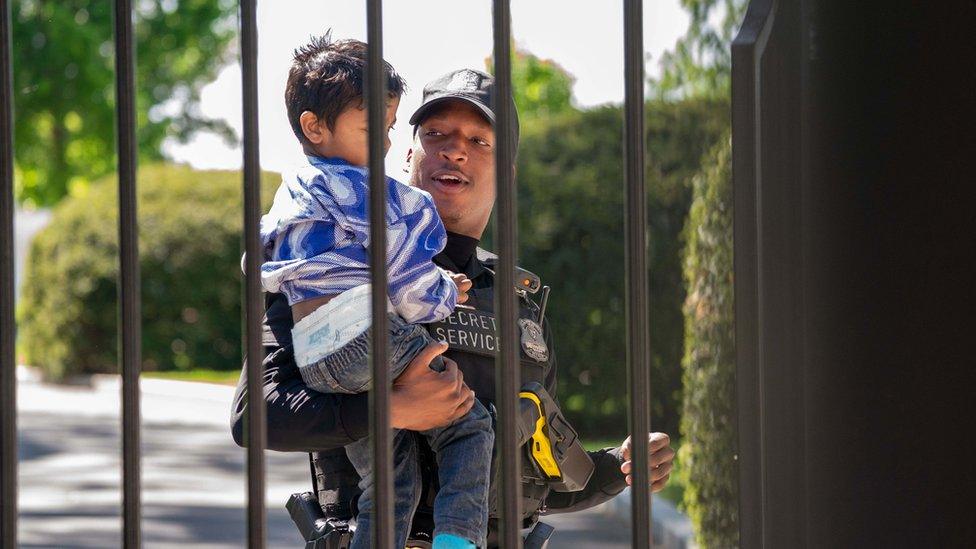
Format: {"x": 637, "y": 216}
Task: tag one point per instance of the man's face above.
{"x": 453, "y": 160}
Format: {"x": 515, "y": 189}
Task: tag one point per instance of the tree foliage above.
{"x": 571, "y": 187}
{"x": 700, "y": 65}
{"x": 708, "y": 424}
{"x": 540, "y": 86}
{"x": 64, "y": 82}
{"x": 190, "y": 227}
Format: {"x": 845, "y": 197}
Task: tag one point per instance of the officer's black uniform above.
{"x": 300, "y": 419}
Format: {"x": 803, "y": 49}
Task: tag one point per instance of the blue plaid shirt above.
{"x": 316, "y": 239}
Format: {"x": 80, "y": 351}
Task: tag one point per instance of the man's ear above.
{"x": 315, "y": 132}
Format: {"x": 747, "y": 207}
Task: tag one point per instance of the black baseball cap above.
{"x": 474, "y": 87}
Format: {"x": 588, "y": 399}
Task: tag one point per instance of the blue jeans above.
{"x": 463, "y": 449}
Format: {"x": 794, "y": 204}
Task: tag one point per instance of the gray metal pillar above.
{"x": 853, "y": 166}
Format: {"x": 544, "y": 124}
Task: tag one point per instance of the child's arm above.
{"x": 420, "y": 291}
{"x": 304, "y": 263}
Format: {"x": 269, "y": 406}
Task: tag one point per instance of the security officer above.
{"x": 452, "y": 158}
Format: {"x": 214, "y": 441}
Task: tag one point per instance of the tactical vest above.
{"x": 470, "y": 334}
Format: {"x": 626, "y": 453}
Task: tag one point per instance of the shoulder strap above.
{"x": 487, "y": 258}
{"x": 532, "y": 280}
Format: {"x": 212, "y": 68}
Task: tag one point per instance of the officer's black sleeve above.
{"x": 299, "y": 419}
{"x": 607, "y": 480}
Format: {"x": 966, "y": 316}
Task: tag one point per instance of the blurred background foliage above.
{"x": 570, "y": 221}
{"x": 700, "y": 64}
{"x": 190, "y": 226}
{"x": 570, "y": 184}
{"x": 64, "y": 85}
{"x": 708, "y": 452}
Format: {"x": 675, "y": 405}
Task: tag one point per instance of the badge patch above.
{"x": 472, "y": 331}
{"x": 467, "y": 329}
{"x": 533, "y": 340}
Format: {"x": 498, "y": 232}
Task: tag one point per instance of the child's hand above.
{"x": 463, "y": 284}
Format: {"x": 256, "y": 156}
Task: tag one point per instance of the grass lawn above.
{"x": 222, "y": 377}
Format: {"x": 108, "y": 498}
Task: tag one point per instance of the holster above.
{"x": 552, "y": 445}
{"x": 318, "y": 531}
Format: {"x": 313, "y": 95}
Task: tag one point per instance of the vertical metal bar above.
{"x": 637, "y": 303}
{"x": 507, "y": 365}
{"x": 254, "y": 305}
{"x": 379, "y": 424}
{"x": 747, "y": 52}
{"x": 8, "y": 377}
{"x": 129, "y": 298}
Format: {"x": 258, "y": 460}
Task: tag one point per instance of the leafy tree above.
{"x": 700, "y": 65}
{"x": 541, "y": 87}
{"x": 708, "y": 423}
{"x": 64, "y": 83}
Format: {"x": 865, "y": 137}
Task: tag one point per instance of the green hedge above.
{"x": 708, "y": 424}
{"x": 189, "y": 255}
{"x": 571, "y": 188}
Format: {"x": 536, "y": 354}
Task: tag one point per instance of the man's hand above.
{"x": 423, "y": 399}
{"x": 660, "y": 461}
{"x": 463, "y": 284}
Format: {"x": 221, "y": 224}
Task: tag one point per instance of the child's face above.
{"x": 348, "y": 140}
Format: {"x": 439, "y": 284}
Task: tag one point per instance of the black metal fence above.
{"x": 638, "y": 352}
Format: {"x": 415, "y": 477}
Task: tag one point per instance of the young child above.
{"x": 316, "y": 240}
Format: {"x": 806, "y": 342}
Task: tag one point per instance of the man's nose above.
{"x": 455, "y": 150}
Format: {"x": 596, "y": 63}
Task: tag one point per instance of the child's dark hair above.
{"x": 326, "y": 76}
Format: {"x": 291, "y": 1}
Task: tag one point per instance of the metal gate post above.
{"x": 8, "y": 358}
{"x": 254, "y": 305}
{"x": 636, "y": 275}
{"x": 379, "y": 425}
{"x": 129, "y": 295}
{"x": 507, "y": 366}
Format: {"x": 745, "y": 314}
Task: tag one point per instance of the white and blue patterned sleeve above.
{"x": 420, "y": 291}
{"x": 307, "y": 250}
{"x": 316, "y": 238}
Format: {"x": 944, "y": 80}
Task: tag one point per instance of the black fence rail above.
{"x": 507, "y": 366}
{"x": 379, "y": 424}
{"x": 130, "y": 353}
{"x": 8, "y": 358}
{"x": 636, "y": 293}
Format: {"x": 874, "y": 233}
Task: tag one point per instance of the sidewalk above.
{"x": 193, "y": 475}
{"x": 194, "y": 481}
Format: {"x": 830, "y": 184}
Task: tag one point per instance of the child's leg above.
{"x": 463, "y": 451}
{"x": 406, "y": 487}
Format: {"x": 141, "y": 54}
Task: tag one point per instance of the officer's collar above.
{"x": 460, "y": 255}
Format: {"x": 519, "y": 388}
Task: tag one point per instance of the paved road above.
{"x": 193, "y": 474}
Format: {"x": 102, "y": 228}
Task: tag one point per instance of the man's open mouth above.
{"x": 449, "y": 180}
